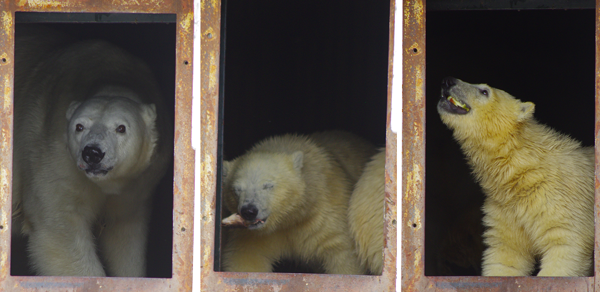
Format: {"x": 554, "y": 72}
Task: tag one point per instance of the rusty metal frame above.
{"x": 226, "y": 281}
{"x": 413, "y": 182}
{"x": 183, "y": 180}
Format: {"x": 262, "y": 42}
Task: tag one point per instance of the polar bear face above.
{"x": 264, "y": 188}
{"x": 111, "y": 137}
{"x": 474, "y": 109}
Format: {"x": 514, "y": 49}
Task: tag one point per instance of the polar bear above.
{"x": 92, "y": 139}
{"x": 365, "y": 214}
{"x": 292, "y": 194}
{"x": 539, "y": 184}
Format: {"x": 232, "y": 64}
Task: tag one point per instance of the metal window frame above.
{"x": 183, "y": 180}
{"x": 413, "y": 182}
{"x": 227, "y": 281}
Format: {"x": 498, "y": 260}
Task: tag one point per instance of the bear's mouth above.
{"x": 97, "y": 171}
{"x": 453, "y": 105}
{"x": 258, "y": 223}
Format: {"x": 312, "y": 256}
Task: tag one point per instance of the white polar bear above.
{"x": 91, "y": 141}
{"x": 291, "y": 194}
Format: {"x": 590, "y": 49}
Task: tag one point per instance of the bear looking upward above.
{"x": 92, "y": 140}
{"x": 539, "y": 184}
{"x": 291, "y": 193}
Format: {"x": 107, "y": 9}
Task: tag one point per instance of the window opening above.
{"x": 543, "y": 56}
{"x": 150, "y": 37}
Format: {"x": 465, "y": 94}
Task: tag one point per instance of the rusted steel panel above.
{"x": 6, "y": 127}
{"x": 183, "y": 179}
{"x": 413, "y": 147}
{"x": 597, "y": 155}
{"x": 225, "y": 281}
{"x": 132, "y": 6}
{"x": 210, "y": 38}
{"x": 388, "y": 277}
{"x": 183, "y": 162}
{"x": 509, "y": 284}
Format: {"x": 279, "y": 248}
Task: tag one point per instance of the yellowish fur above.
{"x": 539, "y": 184}
{"x": 304, "y": 209}
{"x": 366, "y": 214}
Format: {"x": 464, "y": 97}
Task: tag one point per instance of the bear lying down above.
{"x": 539, "y": 184}
{"x": 91, "y": 141}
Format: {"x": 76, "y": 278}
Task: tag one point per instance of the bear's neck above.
{"x": 498, "y": 162}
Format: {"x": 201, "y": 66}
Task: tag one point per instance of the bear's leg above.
{"x": 123, "y": 241}
{"x": 65, "y": 249}
{"x": 566, "y": 260}
{"x": 507, "y": 254}
{"x": 343, "y": 262}
{"x": 242, "y": 254}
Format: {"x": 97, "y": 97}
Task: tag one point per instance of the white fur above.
{"x": 99, "y": 87}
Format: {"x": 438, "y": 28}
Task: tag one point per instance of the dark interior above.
{"x": 155, "y": 44}
{"x": 543, "y": 56}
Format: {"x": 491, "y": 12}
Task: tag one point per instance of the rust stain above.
{"x": 186, "y": 21}
{"x": 418, "y": 91}
{"x": 126, "y": 2}
{"x": 213, "y": 66}
{"x": 43, "y": 3}
{"x": 7, "y": 23}
{"x": 7, "y": 93}
{"x": 418, "y": 10}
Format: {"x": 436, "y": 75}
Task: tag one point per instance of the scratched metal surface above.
{"x": 413, "y": 182}
{"x": 225, "y": 281}
{"x": 183, "y": 188}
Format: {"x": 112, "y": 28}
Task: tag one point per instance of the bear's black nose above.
{"x": 92, "y": 155}
{"x": 249, "y": 212}
{"x": 448, "y": 82}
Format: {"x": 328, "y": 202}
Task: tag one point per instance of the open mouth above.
{"x": 97, "y": 171}
{"x": 454, "y": 105}
{"x": 256, "y": 224}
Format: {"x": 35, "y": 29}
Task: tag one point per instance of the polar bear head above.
{"x": 265, "y": 188}
{"x": 479, "y": 111}
{"x": 111, "y": 137}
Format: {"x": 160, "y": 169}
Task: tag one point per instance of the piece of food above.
{"x": 458, "y": 103}
{"x": 235, "y": 220}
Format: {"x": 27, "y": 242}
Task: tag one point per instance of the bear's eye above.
{"x": 268, "y": 186}
{"x": 121, "y": 129}
{"x": 237, "y": 190}
{"x": 79, "y": 127}
{"x": 484, "y": 92}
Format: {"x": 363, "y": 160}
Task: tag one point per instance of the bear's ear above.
{"x": 72, "y": 107}
{"x": 527, "y": 109}
{"x": 227, "y": 165}
{"x": 149, "y": 113}
{"x": 298, "y": 159}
